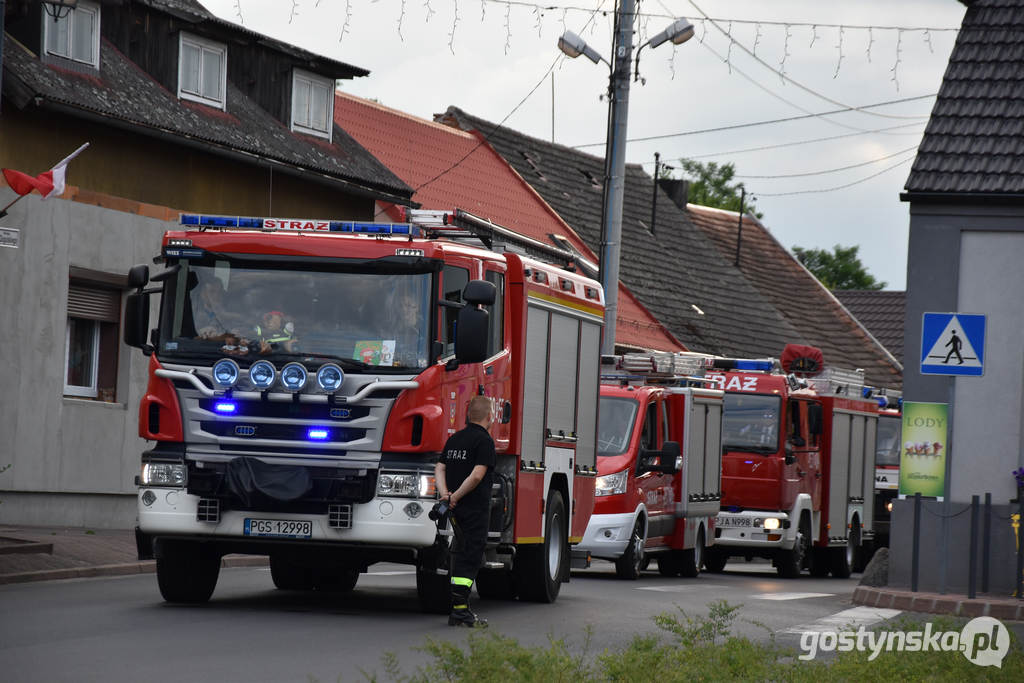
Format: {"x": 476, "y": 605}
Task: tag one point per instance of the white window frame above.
{"x": 49, "y": 25}
{"x": 203, "y": 44}
{"x": 91, "y": 391}
{"x": 300, "y": 77}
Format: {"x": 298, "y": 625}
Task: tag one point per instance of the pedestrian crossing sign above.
{"x": 953, "y": 344}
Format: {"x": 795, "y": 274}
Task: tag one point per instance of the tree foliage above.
{"x": 710, "y": 186}
{"x": 838, "y": 269}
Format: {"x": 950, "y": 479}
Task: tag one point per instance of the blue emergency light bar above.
{"x": 740, "y": 364}
{"x": 299, "y": 225}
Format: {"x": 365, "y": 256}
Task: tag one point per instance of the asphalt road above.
{"x": 119, "y": 629}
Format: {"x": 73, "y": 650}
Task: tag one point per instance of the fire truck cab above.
{"x": 797, "y": 471}
{"x": 304, "y": 375}
{"x": 659, "y": 464}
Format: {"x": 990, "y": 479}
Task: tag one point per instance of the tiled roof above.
{"x": 807, "y": 304}
{"x": 974, "y": 141}
{"x": 675, "y": 272}
{"x": 881, "y": 312}
{"x": 451, "y": 168}
{"x": 123, "y": 94}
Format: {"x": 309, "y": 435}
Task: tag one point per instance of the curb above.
{"x": 932, "y": 603}
{"x": 122, "y": 569}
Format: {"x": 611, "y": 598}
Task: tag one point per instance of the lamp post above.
{"x": 615, "y": 147}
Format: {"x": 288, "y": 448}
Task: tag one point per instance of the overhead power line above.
{"x": 796, "y": 143}
{"x": 760, "y": 195}
{"x": 831, "y": 170}
{"x": 764, "y": 123}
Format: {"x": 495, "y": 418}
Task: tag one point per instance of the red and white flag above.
{"x": 49, "y": 184}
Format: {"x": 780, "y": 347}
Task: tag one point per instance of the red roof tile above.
{"x": 449, "y": 168}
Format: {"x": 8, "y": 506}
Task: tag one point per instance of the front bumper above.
{"x": 382, "y": 521}
{"x": 738, "y": 529}
{"x": 607, "y": 536}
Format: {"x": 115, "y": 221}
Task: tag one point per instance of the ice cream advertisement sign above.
{"x": 924, "y": 452}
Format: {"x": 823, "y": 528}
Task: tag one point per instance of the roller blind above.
{"x": 93, "y": 303}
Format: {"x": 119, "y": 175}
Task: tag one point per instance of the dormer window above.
{"x": 76, "y": 35}
{"x": 202, "y": 71}
{"x": 312, "y": 104}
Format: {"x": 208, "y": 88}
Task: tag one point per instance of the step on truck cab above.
{"x": 304, "y": 376}
{"x": 659, "y": 454}
{"x": 798, "y": 464}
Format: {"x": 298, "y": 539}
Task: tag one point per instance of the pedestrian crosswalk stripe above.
{"x": 790, "y": 596}
{"x": 847, "y": 620}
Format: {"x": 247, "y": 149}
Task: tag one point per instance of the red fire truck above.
{"x": 659, "y": 460}
{"x": 887, "y": 463}
{"x": 304, "y": 375}
{"x": 797, "y": 470}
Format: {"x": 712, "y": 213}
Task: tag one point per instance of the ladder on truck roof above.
{"x": 838, "y": 382}
{"x": 459, "y": 225}
{"x": 679, "y": 368}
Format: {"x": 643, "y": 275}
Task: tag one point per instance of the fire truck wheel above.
{"x": 715, "y": 560}
{"x": 341, "y": 580}
{"x": 289, "y": 576}
{"x": 668, "y": 563}
{"x": 539, "y": 568}
{"x": 790, "y": 563}
{"x": 819, "y": 562}
{"x": 186, "y": 571}
{"x": 495, "y": 584}
{"x": 842, "y": 558}
{"x": 628, "y": 565}
{"x": 693, "y": 558}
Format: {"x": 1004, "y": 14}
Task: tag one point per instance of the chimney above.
{"x": 677, "y": 190}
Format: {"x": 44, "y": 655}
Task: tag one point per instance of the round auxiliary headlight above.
{"x": 225, "y": 373}
{"x": 330, "y": 377}
{"x": 293, "y": 377}
{"x": 262, "y": 374}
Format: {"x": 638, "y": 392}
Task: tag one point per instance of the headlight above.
{"x": 888, "y": 506}
{"x": 405, "y": 485}
{"x": 771, "y": 523}
{"x": 262, "y": 374}
{"x": 612, "y": 484}
{"x": 225, "y": 373}
{"x": 164, "y": 474}
{"x": 293, "y": 377}
{"x": 330, "y": 377}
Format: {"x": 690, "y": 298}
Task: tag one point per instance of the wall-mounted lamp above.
{"x": 58, "y": 9}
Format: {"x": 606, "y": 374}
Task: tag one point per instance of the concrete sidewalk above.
{"x": 49, "y": 553}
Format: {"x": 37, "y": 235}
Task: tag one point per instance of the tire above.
{"x": 289, "y": 576}
{"x": 186, "y": 571}
{"x": 495, "y": 584}
{"x": 819, "y": 562}
{"x": 630, "y": 563}
{"x": 669, "y": 563}
{"x": 842, "y": 559}
{"x": 539, "y": 568}
{"x": 715, "y": 560}
{"x": 692, "y": 558}
{"x": 341, "y": 580}
{"x": 790, "y": 563}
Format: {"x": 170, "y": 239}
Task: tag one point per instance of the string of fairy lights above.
{"x": 741, "y": 36}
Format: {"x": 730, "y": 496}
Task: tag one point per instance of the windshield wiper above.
{"x": 340, "y": 360}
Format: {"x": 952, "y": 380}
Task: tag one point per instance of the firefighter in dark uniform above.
{"x": 463, "y": 476}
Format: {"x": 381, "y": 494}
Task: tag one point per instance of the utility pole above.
{"x": 615, "y": 169}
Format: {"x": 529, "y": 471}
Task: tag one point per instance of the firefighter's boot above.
{"x": 461, "y": 614}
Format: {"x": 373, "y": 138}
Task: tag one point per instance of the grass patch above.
{"x": 690, "y": 648}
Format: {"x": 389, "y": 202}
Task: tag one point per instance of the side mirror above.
{"x": 471, "y": 333}
{"x": 790, "y": 458}
{"x": 136, "y": 321}
{"x": 138, "y": 276}
{"x": 479, "y": 292}
{"x": 666, "y": 461}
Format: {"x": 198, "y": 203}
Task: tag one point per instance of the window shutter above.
{"x": 94, "y": 304}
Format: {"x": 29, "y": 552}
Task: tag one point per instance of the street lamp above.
{"x": 615, "y": 147}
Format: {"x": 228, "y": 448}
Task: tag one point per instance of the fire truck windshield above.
{"x": 361, "y": 319}
{"x": 615, "y": 427}
{"x": 750, "y": 422}
{"x": 887, "y": 443}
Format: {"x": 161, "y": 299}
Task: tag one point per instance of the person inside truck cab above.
{"x": 210, "y": 318}
{"x": 404, "y": 328}
{"x": 275, "y": 333}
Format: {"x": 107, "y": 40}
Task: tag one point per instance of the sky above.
{"x": 819, "y": 179}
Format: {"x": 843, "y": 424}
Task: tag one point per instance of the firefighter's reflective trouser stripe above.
{"x": 282, "y": 336}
